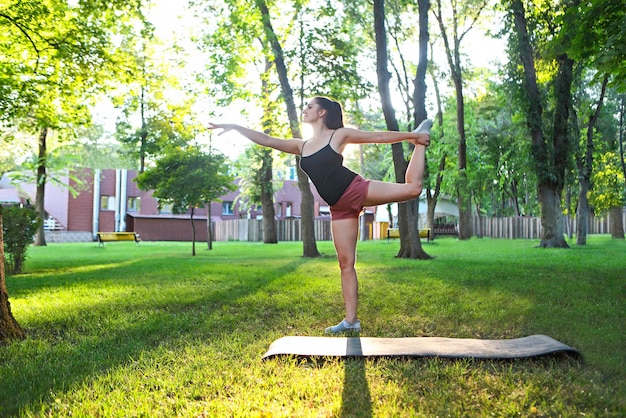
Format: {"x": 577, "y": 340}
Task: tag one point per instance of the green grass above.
{"x": 149, "y": 330}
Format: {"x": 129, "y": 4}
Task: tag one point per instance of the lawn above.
{"x": 149, "y": 330}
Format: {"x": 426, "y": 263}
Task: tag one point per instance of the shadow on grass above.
{"x": 67, "y": 349}
{"x": 356, "y": 399}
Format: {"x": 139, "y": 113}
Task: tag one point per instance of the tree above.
{"x": 584, "y": 164}
{"x": 187, "y": 178}
{"x": 434, "y": 177}
{"x": 463, "y": 18}
{"x": 256, "y": 170}
{"x": 59, "y": 55}
{"x": 551, "y": 157}
{"x": 600, "y": 50}
{"x": 143, "y": 101}
{"x": 264, "y": 175}
{"x": 306, "y": 205}
{"x": 10, "y": 329}
{"x": 501, "y": 174}
{"x": 608, "y": 193}
{"x": 410, "y": 244}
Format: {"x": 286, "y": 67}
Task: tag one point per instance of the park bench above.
{"x": 117, "y": 236}
{"x": 395, "y": 233}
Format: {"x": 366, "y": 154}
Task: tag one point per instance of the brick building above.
{"x": 109, "y": 200}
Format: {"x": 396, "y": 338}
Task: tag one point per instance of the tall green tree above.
{"x": 584, "y": 165}
{"x": 600, "y": 49}
{"x": 608, "y": 194}
{"x": 410, "y": 244}
{"x": 463, "y": 17}
{"x": 307, "y": 202}
{"x": 234, "y": 46}
{"x": 317, "y": 56}
{"x": 59, "y": 55}
{"x": 551, "y": 143}
{"x": 187, "y": 178}
{"x": 150, "y": 118}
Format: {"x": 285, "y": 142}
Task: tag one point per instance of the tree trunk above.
{"x": 307, "y": 204}
{"x": 265, "y": 177}
{"x": 616, "y": 225}
{"x": 550, "y": 184}
{"x": 582, "y": 212}
{"x": 9, "y": 327}
{"x": 454, "y": 61}
{"x": 585, "y": 166}
{"x": 193, "y": 233}
{"x": 40, "y": 194}
{"x": 410, "y": 244}
{"x": 270, "y": 235}
{"x": 432, "y": 195}
{"x": 551, "y": 217}
{"x": 621, "y": 153}
{"x": 143, "y": 135}
{"x": 209, "y": 227}
{"x": 561, "y": 144}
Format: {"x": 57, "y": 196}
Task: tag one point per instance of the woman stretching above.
{"x": 346, "y": 192}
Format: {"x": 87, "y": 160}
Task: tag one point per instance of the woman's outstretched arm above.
{"x": 292, "y": 146}
{"x": 355, "y": 136}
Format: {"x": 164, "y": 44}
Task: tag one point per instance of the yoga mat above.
{"x": 531, "y": 346}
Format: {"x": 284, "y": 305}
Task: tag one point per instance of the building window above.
{"x": 227, "y": 208}
{"x": 292, "y": 173}
{"x": 324, "y": 210}
{"x": 133, "y": 204}
{"x": 279, "y": 210}
{"x": 288, "y": 210}
{"x": 107, "y": 203}
{"x": 166, "y": 209}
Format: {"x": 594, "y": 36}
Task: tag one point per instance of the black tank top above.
{"x": 326, "y": 171}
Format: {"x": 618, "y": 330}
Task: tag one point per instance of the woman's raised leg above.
{"x": 380, "y": 193}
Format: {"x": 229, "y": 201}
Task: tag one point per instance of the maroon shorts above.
{"x": 350, "y": 203}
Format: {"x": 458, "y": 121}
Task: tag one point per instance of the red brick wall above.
{"x": 80, "y": 208}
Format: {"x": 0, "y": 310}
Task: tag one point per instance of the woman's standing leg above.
{"x": 345, "y": 233}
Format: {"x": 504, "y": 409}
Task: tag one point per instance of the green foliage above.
{"x": 56, "y": 55}
{"x": 500, "y": 172}
{"x": 187, "y": 178}
{"x": 150, "y": 118}
{"x": 322, "y": 47}
{"x": 94, "y": 149}
{"x": 250, "y": 173}
{"x": 609, "y": 186}
{"x": 19, "y": 225}
{"x": 599, "y": 38}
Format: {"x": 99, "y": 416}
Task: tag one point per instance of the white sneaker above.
{"x": 424, "y": 126}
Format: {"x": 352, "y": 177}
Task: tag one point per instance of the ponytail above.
{"x": 334, "y": 114}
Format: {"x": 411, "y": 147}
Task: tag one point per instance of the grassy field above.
{"x": 148, "y": 330}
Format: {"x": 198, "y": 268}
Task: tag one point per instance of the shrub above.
{"x": 19, "y": 225}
